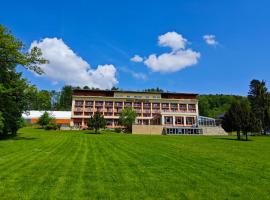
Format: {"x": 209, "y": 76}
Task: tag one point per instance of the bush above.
{"x": 51, "y": 126}
{"x": 118, "y": 130}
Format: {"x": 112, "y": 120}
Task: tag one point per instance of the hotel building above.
{"x": 152, "y": 108}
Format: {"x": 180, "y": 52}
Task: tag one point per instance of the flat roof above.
{"x": 56, "y": 114}
{"x": 132, "y": 91}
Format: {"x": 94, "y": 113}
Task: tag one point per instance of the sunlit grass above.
{"x": 76, "y": 165}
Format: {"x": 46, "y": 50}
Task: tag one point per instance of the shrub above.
{"x": 51, "y": 126}
{"x": 118, "y": 130}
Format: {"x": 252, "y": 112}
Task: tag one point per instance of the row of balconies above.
{"x": 80, "y": 109}
{"x": 135, "y": 104}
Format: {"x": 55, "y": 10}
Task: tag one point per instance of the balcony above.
{"x": 99, "y": 103}
{"x": 128, "y": 104}
{"x": 165, "y": 105}
{"x": 138, "y": 110}
{"x": 99, "y": 109}
{"x": 156, "y": 111}
{"x": 146, "y": 105}
{"x": 174, "y": 105}
{"x": 137, "y": 105}
{"x": 156, "y": 105}
{"x": 89, "y": 110}
{"x": 118, "y": 104}
{"x": 146, "y": 111}
{"x": 109, "y": 110}
{"x": 78, "y": 109}
{"x": 109, "y": 104}
{"x": 89, "y": 103}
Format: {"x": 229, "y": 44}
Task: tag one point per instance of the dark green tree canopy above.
{"x": 96, "y": 122}
{"x": 127, "y": 118}
{"x": 14, "y": 90}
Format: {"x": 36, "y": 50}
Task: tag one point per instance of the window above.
{"x": 179, "y": 120}
{"x": 168, "y": 120}
{"x": 190, "y": 121}
{"x": 191, "y": 107}
{"x": 183, "y": 107}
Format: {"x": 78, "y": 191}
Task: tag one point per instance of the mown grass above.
{"x": 76, "y": 165}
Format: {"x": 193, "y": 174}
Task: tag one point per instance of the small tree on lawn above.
{"x": 96, "y": 122}
{"x": 239, "y": 118}
{"x": 127, "y": 118}
{"x": 45, "y": 119}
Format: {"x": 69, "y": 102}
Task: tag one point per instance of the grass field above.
{"x": 75, "y": 165}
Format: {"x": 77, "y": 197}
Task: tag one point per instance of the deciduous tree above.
{"x": 96, "y": 122}
{"x": 127, "y": 118}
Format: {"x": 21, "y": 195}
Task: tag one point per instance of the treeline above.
{"x": 50, "y": 99}
{"x": 215, "y": 105}
{"x": 250, "y": 115}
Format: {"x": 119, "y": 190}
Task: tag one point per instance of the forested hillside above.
{"x": 213, "y": 105}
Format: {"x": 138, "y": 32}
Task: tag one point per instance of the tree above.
{"x": 65, "y": 100}
{"x": 1, "y": 123}
{"x": 239, "y": 118}
{"x": 259, "y": 99}
{"x": 86, "y": 88}
{"x": 96, "y": 122}
{"x": 127, "y": 118}
{"x": 45, "y": 119}
{"x": 13, "y": 88}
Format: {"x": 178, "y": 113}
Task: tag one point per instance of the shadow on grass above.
{"x": 12, "y": 137}
{"x": 233, "y": 139}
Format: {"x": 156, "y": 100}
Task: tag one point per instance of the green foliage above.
{"x": 51, "y": 126}
{"x": 2, "y": 121}
{"x": 215, "y": 105}
{"x": 127, "y": 118}
{"x": 153, "y": 90}
{"x": 65, "y": 98}
{"x": 259, "y": 99}
{"x": 45, "y": 120}
{"x": 14, "y": 96}
{"x": 239, "y": 118}
{"x": 96, "y": 122}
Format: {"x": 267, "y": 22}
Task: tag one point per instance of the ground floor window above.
{"x": 109, "y": 122}
{"x": 168, "y": 120}
{"x": 179, "y": 120}
{"x": 190, "y": 121}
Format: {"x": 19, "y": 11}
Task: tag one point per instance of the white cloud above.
{"x": 137, "y": 75}
{"x": 210, "y": 40}
{"x": 172, "y": 39}
{"x": 64, "y": 65}
{"x": 136, "y": 58}
{"x": 178, "y": 59}
{"x": 172, "y": 62}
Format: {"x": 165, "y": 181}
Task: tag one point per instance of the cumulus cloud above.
{"x": 179, "y": 58}
{"x": 172, "y": 62}
{"x": 210, "y": 40}
{"x": 65, "y": 66}
{"x": 136, "y": 58}
{"x": 172, "y": 39}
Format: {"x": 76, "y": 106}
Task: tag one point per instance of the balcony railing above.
{"x": 156, "y": 111}
{"x": 89, "y": 103}
{"x": 109, "y": 104}
{"x": 118, "y": 104}
{"x": 88, "y": 110}
{"x": 78, "y": 109}
{"x": 146, "y": 111}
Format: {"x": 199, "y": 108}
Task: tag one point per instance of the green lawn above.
{"x": 75, "y": 165}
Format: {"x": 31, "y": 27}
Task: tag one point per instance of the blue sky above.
{"x": 110, "y": 33}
